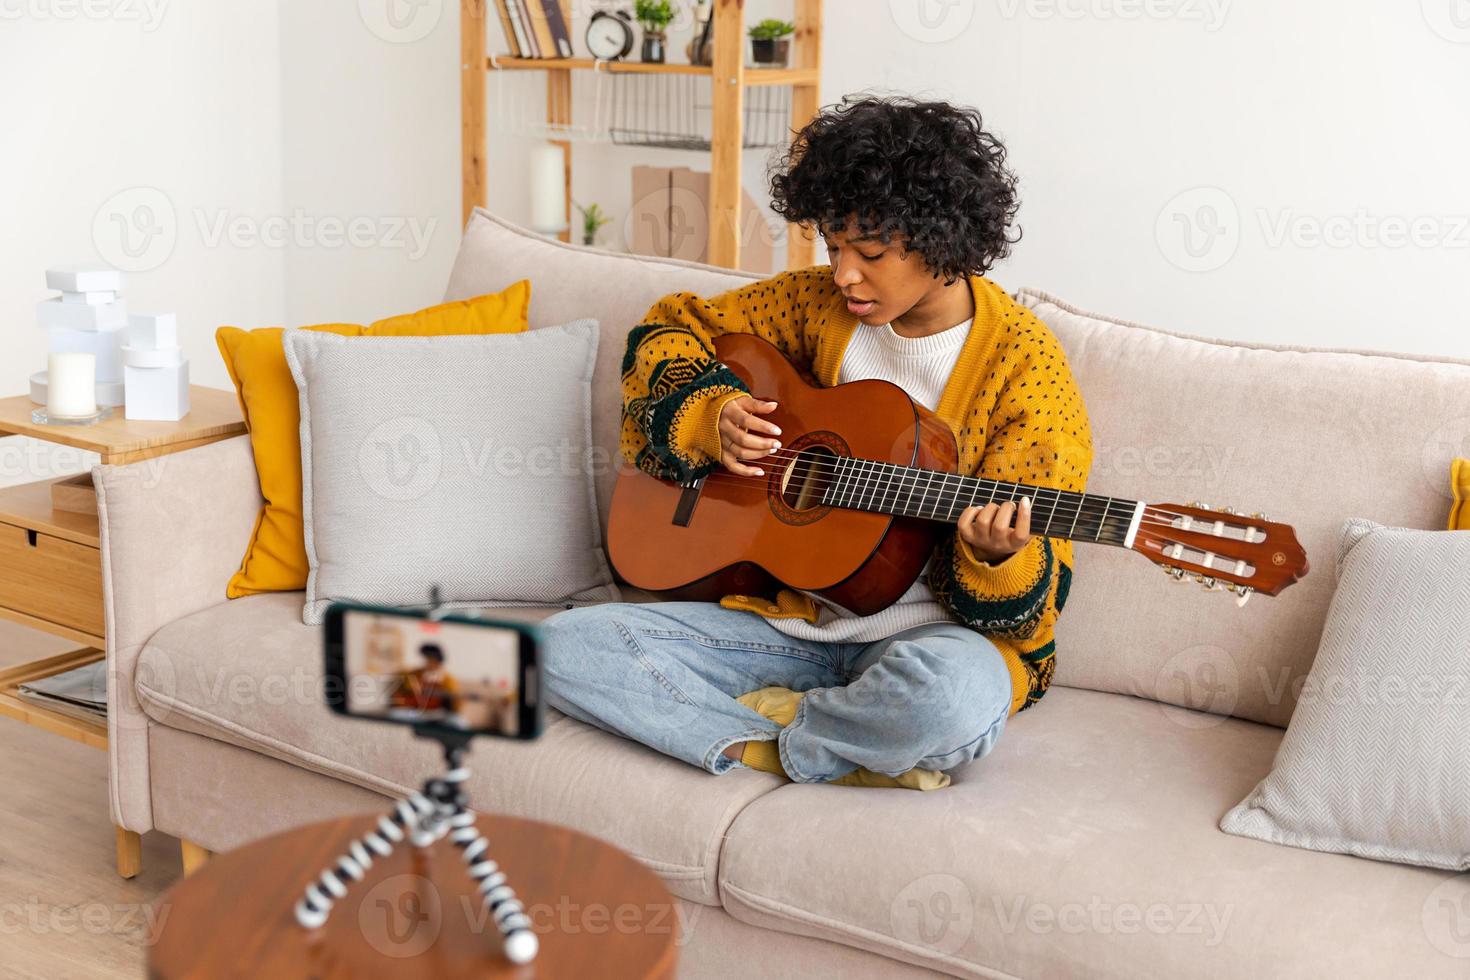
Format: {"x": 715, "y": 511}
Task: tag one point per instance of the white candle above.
{"x": 548, "y": 188}
{"x": 71, "y": 380}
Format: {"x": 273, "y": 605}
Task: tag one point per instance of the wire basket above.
{"x": 672, "y": 111}
{"x": 675, "y": 112}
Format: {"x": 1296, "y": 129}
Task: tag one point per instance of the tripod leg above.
{"x": 521, "y": 943}
{"x": 322, "y": 894}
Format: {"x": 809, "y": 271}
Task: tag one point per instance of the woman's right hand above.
{"x": 745, "y": 435}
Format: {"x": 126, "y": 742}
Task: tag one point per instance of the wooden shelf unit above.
{"x": 729, "y": 78}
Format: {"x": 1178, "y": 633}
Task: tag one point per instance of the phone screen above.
{"x": 419, "y": 671}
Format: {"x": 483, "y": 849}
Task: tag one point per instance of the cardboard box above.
{"x": 670, "y": 217}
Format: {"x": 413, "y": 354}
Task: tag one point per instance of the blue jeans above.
{"x": 667, "y": 674}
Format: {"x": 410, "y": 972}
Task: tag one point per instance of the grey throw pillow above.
{"x": 1376, "y": 760}
{"x": 457, "y": 461}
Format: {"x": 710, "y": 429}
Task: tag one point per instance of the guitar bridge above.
{"x": 687, "y": 499}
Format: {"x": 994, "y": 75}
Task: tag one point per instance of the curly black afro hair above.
{"x": 926, "y": 171}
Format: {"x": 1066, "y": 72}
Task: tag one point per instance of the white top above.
{"x": 921, "y": 366}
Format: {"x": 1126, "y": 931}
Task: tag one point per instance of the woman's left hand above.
{"x": 996, "y": 531}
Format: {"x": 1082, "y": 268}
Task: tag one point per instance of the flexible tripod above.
{"x": 424, "y": 818}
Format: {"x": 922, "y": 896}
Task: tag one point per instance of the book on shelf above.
{"x": 525, "y": 41}
{"x": 556, "y": 22}
{"x": 545, "y": 46}
{"x": 511, "y": 42}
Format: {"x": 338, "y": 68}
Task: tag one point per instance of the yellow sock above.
{"x": 779, "y": 705}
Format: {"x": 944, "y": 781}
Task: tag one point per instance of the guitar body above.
{"x": 730, "y": 534}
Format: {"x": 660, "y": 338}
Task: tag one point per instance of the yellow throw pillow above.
{"x": 275, "y": 558}
{"x": 1460, "y": 489}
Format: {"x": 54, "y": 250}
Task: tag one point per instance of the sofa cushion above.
{"x": 248, "y": 672}
{"x": 416, "y": 471}
{"x": 1311, "y": 437}
{"x": 1085, "y": 844}
{"x": 1382, "y": 730}
{"x": 571, "y": 281}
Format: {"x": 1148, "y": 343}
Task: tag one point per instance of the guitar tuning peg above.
{"x": 1243, "y": 594}
{"x": 1227, "y": 510}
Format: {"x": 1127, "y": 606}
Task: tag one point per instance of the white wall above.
{"x": 1343, "y": 118}
{"x": 125, "y": 124}
{"x": 254, "y": 123}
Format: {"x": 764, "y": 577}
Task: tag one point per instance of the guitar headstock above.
{"x": 1245, "y": 552}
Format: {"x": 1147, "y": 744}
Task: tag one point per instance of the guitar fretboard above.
{"x": 887, "y": 488}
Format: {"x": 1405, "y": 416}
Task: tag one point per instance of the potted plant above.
{"x": 770, "y": 42}
{"x": 654, "y": 16}
{"x": 593, "y": 218}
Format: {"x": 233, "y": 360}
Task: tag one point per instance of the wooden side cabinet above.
{"x": 51, "y": 560}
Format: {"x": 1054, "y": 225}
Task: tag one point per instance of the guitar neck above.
{"x": 933, "y": 495}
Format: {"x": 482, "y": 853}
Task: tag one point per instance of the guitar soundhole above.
{"x": 807, "y": 477}
{"x": 796, "y": 491}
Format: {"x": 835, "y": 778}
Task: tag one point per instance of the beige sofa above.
{"x": 1086, "y": 844}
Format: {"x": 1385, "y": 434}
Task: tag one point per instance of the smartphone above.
{"x": 452, "y": 674}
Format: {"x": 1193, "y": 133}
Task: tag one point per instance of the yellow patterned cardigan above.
{"x": 1011, "y": 401}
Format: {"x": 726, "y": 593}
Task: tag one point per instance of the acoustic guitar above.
{"x": 851, "y": 506}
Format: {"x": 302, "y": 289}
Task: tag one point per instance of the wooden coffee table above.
{"x": 596, "y": 911}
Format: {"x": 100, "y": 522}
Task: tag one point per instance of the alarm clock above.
{"x": 610, "y": 35}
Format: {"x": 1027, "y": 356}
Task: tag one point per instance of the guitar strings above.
{"x": 1089, "y": 509}
{"x": 1149, "y": 518}
{"x": 944, "y": 487}
{"x": 825, "y": 481}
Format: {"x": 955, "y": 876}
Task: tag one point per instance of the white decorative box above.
{"x": 158, "y": 394}
{"x": 152, "y": 331}
{"x": 99, "y": 297}
{"x": 84, "y": 279}
{"x": 82, "y": 316}
{"x": 106, "y": 345}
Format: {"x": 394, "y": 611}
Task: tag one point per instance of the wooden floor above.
{"x": 64, "y": 912}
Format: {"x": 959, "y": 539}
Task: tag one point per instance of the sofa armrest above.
{"x": 173, "y": 530}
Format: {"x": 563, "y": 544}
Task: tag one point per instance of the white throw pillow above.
{"x": 1376, "y": 760}
{"x": 458, "y": 461}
